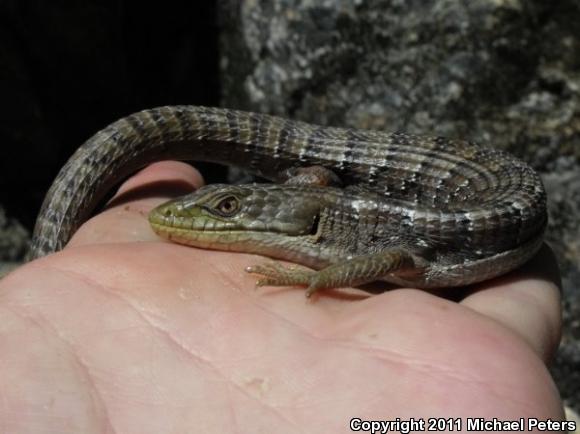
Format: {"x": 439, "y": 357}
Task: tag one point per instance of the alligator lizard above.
{"x": 363, "y": 206}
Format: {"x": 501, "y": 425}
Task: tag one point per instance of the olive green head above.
{"x": 227, "y": 216}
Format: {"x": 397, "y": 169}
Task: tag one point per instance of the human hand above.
{"x": 123, "y": 332}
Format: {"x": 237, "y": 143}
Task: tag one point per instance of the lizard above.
{"x": 355, "y": 206}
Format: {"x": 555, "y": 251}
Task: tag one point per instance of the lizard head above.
{"x": 245, "y": 218}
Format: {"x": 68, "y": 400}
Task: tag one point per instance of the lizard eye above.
{"x": 228, "y": 206}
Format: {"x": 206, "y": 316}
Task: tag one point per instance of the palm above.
{"x": 136, "y": 335}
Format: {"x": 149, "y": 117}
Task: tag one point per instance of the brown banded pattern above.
{"x": 460, "y": 203}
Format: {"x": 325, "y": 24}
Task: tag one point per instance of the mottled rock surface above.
{"x": 501, "y": 72}
{"x": 13, "y": 238}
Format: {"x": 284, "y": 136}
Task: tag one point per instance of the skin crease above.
{"x": 122, "y": 332}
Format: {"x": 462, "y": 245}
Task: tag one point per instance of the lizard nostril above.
{"x": 167, "y": 212}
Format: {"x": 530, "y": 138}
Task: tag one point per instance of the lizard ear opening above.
{"x": 315, "y": 224}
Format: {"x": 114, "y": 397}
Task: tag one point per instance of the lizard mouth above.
{"x": 267, "y": 243}
{"x": 174, "y": 222}
{"x": 170, "y": 230}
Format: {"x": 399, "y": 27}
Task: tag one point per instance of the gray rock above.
{"x": 13, "y": 243}
{"x": 13, "y": 239}
{"x": 500, "y": 72}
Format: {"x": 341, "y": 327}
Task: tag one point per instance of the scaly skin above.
{"x": 423, "y": 211}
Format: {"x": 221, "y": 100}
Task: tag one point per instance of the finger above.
{"x": 125, "y": 217}
{"x": 164, "y": 179}
{"x": 527, "y": 301}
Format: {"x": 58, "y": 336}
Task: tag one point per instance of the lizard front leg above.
{"x": 351, "y": 272}
{"x": 311, "y": 175}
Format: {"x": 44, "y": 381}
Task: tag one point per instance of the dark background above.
{"x": 67, "y": 69}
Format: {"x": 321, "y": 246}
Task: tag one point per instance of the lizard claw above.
{"x": 274, "y": 274}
